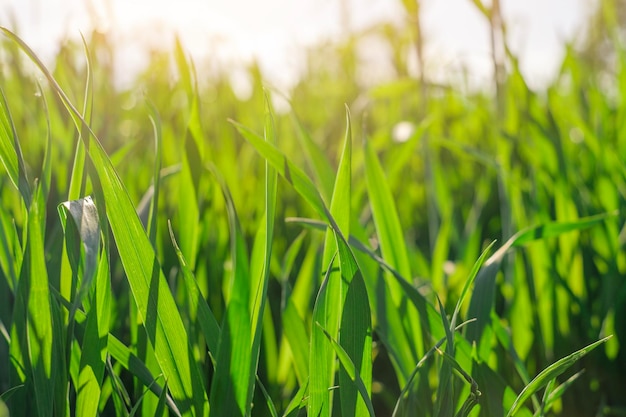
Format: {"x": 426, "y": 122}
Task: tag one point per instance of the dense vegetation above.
{"x": 175, "y": 249}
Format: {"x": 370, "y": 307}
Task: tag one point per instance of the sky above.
{"x": 274, "y": 31}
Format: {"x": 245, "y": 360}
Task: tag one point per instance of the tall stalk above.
{"x": 412, "y": 8}
{"x": 498, "y": 53}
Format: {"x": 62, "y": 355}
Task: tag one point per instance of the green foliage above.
{"x": 181, "y": 276}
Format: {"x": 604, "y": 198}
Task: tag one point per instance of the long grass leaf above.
{"x": 557, "y": 392}
{"x": 231, "y": 382}
{"x": 11, "y": 151}
{"x": 136, "y": 367}
{"x": 355, "y": 336}
{"x": 155, "y": 303}
{"x": 321, "y": 376}
{"x": 83, "y": 237}
{"x": 44, "y": 359}
{"x": 483, "y": 296}
{"x": 551, "y": 372}
{"x": 317, "y": 159}
{"x": 355, "y": 329}
{"x": 419, "y": 366}
{"x": 82, "y": 230}
{"x": 335, "y": 290}
{"x": 205, "y": 317}
{"x": 444, "y": 405}
{"x": 298, "y": 402}
{"x": 468, "y": 283}
{"x": 268, "y": 399}
{"x": 94, "y": 348}
{"x": 553, "y": 229}
{"x": 429, "y": 317}
{"x": 393, "y": 249}
{"x": 385, "y": 215}
{"x": 46, "y": 165}
{"x": 10, "y": 252}
{"x": 294, "y": 331}
{"x": 78, "y": 174}
{"x": 287, "y": 169}
{"x": 351, "y": 371}
{"x": 151, "y": 223}
{"x": 260, "y": 279}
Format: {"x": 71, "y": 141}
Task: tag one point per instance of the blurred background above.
{"x": 277, "y": 33}
{"x": 487, "y": 117}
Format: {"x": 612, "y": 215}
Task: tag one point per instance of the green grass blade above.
{"x": 46, "y": 166}
{"x": 260, "y": 278}
{"x": 506, "y": 340}
{"x": 444, "y": 406}
{"x": 542, "y": 408}
{"x": 160, "y": 409}
{"x": 287, "y": 169}
{"x": 7, "y": 394}
{"x": 192, "y": 167}
{"x": 150, "y": 291}
{"x": 419, "y": 366}
{"x": 351, "y": 371}
{"x": 394, "y": 251}
{"x": 78, "y": 175}
{"x": 230, "y": 387}
{"x": 82, "y": 235}
{"x": 557, "y": 392}
{"x": 457, "y": 367}
{"x": 268, "y": 399}
{"x": 155, "y": 119}
{"x": 11, "y": 151}
{"x": 81, "y": 228}
{"x": 355, "y": 338}
{"x": 289, "y": 259}
{"x": 94, "y": 348}
{"x": 189, "y": 214}
{"x": 298, "y": 402}
{"x": 296, "y": 313}
{"x": 355, "y": 330}
{"x": 197, "y": 304}
{"x": 321, "y": 398}
{"x": 154, "y": 300}
{"x": 321, "y": 376}
{"x": 18, "y": 348}
{"x": 428, "y": 316}
{"x": 136, "y": 367}
{"x": 294, "y": 331}
{"x": 121, "y": 399}
{"x": 553, "y": 229}
{"x": 468, "y": 283}
{"x": 385, "y": 215}
{"x": 353, "y": 242}
{"x": 317, "y": 159}
{"x": 44, "y": 359}
{"x": 550, "y": 373}
{"x": 10, "y": 251}
{"x": 155, "y": 303}
{"x": 483, "y": 296}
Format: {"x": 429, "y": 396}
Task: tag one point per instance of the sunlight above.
{"x": 277, "y": 32}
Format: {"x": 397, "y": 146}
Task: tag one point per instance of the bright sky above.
{"x": 273, "y": 30}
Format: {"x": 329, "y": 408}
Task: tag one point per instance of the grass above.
{"x": 190, "y": 253}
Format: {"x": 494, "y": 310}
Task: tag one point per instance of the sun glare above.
{"x": 277, "y": 32}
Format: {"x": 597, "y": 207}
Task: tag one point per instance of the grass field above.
{"x": 173, "y": 249}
